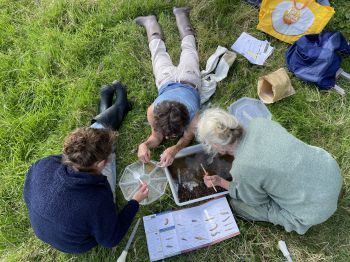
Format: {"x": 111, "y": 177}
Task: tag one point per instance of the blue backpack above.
{"x": 313, "y": 58}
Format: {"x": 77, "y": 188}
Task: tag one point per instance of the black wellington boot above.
{"x": 106, "y": 97}
{"x": 114, "y": 115}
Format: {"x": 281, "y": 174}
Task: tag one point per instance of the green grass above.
{"x": 55, "y": 55}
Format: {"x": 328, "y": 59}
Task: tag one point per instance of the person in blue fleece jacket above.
{"x": 70, "y": 196}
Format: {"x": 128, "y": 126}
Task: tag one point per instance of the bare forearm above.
{"x": 167, "y": 157}
{"x": 155, "y": 138}
{"x": 183, "y": 142}
{"x": 152, "y": 141}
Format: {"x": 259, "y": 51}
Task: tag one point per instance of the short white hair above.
{"x": 217, "y": 126}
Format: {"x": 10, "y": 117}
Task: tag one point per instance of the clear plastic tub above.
{"x": 246, "y": 109}
{"x": 174, "y": 185}
{"x": 150, "y": 173}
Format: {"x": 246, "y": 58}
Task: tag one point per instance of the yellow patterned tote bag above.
{"x": 289, "y": 20}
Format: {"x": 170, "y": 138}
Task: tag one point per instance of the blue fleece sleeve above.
{"x": 109, "y": 228}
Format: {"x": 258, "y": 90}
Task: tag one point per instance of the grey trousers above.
{"x": 270, "y": 212}
{"x": 163, "y": 68}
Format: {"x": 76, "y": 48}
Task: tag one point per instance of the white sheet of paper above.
{"x": 256, "y": 51}
{"x": 155, "y": 249}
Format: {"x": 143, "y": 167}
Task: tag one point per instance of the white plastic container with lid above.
{"x": 245, "y": 109}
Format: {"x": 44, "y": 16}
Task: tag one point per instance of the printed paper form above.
{"x": 179, "y": 231}
{"x": 154, "y": 244}
{"x": 161, "y": 236}
{"x": 254, "y": 50}
{"x": 220, "y": 221}
{"x": 169, "y": 242}
{"x": 190, "y": 228}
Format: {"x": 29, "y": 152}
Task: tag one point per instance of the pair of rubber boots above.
{"x": 154, "y": 30}
{"x": 112, "y": 115}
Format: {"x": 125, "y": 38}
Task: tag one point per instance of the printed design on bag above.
{"x": 292, "y": 15}
{"x": 292, "y": 18}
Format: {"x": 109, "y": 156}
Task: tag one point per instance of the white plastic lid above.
{"x": 148, "y": 173}
{"x": 245, "y": 109}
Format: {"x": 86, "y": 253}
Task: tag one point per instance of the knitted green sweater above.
{"x": 272, "y": 166}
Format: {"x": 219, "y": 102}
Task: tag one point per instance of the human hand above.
{"x": 144, "y": 154}
{"x": 142, "y": 193}
{"x": 167, "y": 157}
{"x": 209, "y": 181}
{"x": 215, "y": 180}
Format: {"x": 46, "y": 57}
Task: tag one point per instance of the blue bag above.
{"x": 313, "y": 58}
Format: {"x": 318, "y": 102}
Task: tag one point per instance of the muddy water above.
{"x": 188, "y": 173}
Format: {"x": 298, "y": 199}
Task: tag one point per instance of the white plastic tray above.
{"x": 173, "y": 185}
{"x": 156, "y": 180}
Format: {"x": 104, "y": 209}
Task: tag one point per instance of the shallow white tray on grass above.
{"x": 173, "y": 185}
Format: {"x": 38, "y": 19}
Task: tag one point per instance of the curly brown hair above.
{"x": 171, "y": 118}
{"x": 85, "y": 146}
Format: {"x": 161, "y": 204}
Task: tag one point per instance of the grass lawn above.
{"x": 55, "y": 56}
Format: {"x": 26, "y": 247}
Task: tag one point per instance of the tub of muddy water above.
{"x": 185, "y": 175}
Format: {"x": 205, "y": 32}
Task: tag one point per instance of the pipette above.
{"x": 283, "y": 247}
{"x": 122, "y": 257}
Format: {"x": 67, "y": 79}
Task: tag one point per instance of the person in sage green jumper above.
{"x": 276, "y": 177}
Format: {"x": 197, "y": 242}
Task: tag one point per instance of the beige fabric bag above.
{"x": 216, "y": 70}
{"x": 275, "y": 86}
